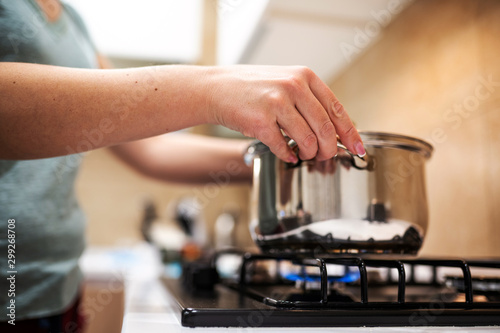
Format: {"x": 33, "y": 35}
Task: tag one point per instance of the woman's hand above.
{"x": 260, "y": 101}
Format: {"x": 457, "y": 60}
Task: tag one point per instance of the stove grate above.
{"x": 245, "y": 285}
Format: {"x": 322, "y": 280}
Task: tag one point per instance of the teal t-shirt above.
{"x": 39, "y": 194}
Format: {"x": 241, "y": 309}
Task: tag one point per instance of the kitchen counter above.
{"x": 150, "y": 308}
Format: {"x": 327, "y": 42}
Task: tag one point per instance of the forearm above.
{"x": 188, "y": 159}
{"x": 49, "y": 111}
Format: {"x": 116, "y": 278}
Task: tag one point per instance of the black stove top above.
{"x": 282, "y": 290}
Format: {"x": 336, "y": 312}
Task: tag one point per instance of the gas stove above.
{"x": 310, "y": 290}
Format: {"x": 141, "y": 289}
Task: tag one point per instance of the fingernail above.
{"x": 293, "y": 159}
{"x": 337, "y": 109}
{"x": 360, "y": 149}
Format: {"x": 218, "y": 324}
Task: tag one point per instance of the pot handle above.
{"x": 365, "y": 162}
{"x": 256, "y": 148}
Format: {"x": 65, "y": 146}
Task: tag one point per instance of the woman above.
{"x": 55, "y": 102}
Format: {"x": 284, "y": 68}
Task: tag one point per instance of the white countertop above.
{"x": 150, "y": 308}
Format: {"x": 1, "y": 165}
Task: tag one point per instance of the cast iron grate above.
{"x": 244, "y": 284}
{"x": 401, "y": 298}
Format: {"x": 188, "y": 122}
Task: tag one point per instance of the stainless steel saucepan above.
{"x": 348, "y": 204}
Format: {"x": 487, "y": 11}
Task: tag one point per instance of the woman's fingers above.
{"x": 321, "y": 126}
{"x": 297, "y": 128}
{"x": 343, "y": 124}
{"x": 303, "y": 117}
{"x": 271, "y": 136}
{"x": 321, "y": 117}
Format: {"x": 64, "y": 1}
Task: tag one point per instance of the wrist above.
{"x": 213, "y": 94}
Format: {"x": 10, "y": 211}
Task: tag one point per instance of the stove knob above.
{"x": 199, "y": 275}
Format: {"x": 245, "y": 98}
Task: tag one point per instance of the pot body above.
{"x": 344, "y": 204}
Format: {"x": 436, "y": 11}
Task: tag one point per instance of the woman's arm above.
{"x": 49, "y": 111}
{"x": 188, "y": 158}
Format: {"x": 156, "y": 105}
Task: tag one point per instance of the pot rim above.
{"x": 370, "y": 139}
{"x": 393, "y": 140}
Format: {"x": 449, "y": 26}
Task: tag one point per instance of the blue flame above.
{"x": 349, "y": 276}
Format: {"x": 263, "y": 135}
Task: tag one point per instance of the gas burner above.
{"x": 350, "y": 276}
{"x": 308, "y": 278}
{"x": 313, "y": 282}
{"x": 352, "y": 299}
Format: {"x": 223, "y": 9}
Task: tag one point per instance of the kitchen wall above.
{"x": 434, "y": 73}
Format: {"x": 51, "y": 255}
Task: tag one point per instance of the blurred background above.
{"x": 423, "y": 68}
